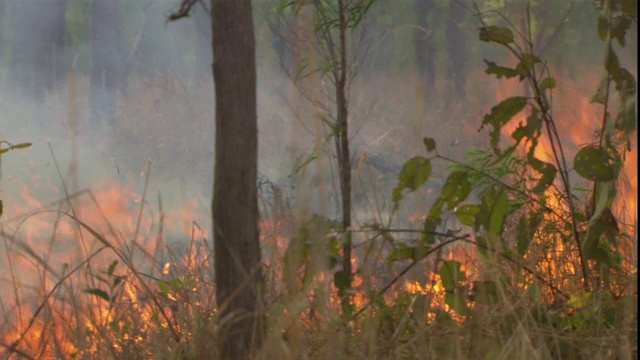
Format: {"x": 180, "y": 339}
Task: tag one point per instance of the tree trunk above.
{"x": 343, "y": 153}
{"x": 107, "y": 62}
{"x": 235, "y": 206}
{"x": 422, "y": 41}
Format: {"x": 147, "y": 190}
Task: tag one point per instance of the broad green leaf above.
{"x": 415, "y": 173}
{"x": 531, "y": 130}
{"x": 603, "y": 27}
{"x": 526, "y": 229}
{"x": 457, "y": 301}
{"x": 601, "y": 93}
{"x": 596, "y": 164}
{"x": 342, "y": 281}
{"x": 500, "y": 115}
{"x": 499, "y": 71}
{"x": 402, "y": 252}
{"x": 626, "y": 119}
{"x": 621, "y": 25}
{"x": 451, "y": 274}
{"x": 497, "y": 34}
{"x": 429, "y": 144}
{"x": 431, "y": 224}
{"x": 602, "y": 227}
{"x": 525, "y": 66}
{"x": 548, "y": 83}
{"x": 548, "y": 172}
{"x": 611, "y": 63}
{"x": 467, "y": 213}
{"x": 99, "y": 293}
{"x": 456, "y": 189}
{"x": 629, "y": 8}
{"x": 494, "y": 209}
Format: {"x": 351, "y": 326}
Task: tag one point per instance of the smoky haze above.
{"x": 105, "y": 87}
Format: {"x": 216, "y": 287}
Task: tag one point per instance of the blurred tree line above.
{"x": 114, "y": 40}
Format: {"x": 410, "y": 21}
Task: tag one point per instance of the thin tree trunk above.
{"x": 342, "y": 143}
{"x": 235, "y": 206}
{"x": 457, "y": 51}
{"x": 37, "y": 62}
{"x": 107, "y": 54}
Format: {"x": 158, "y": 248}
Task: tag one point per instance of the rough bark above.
{"x": 107, "y": 62}
{"x": 235, "y": 207}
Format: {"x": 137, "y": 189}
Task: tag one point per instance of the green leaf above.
{"x": 456, "y": 189}
{"x": 457, "y": 301}
{"x": 412, "y": 176}
{"x": 112, "y": 267}
{"x": 21, "y": 146}
{"x": 402, "y": 252}
{"x": 579, "y": 301}
{"x": 451, "y": 274}
{"x": 611, "y": 63}
{"x": 429, "y": 144}
{"x": 496, "y": 34}
{"x": 499, "y": 71}
{"x": 342, "y": 281}
{"x": 164, "y": 288}
{"x": 525, "y": 65}
{"x": 548, "y": 83}
{"x": 431, "y": 224}
{"x": 603, "y": 27}
{"x": 500, "y": 115}
{"x": 548, "y": 172}
{"x": 629, "y": 8}
{"x": 99, "y": 293}
{"x": 601, "y": 93}
{"x": 526, "y": 229}
{"x": 176, "y": 284}
{"x": 596, "y": 164}
{"x": 531, "y": 130}
{"x": 415, "y": 173}
{"x": 494, "y": 209}
{"x": 467, "y": 213}
{"x": 621, "y": 25}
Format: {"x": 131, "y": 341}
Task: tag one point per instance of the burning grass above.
{"x": 93, "y": 275}
{"x": 106, "y": 286}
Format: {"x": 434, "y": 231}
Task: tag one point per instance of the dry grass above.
{"x": 158, "y": 302}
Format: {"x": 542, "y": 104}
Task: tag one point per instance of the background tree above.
{"x": 107, "y": 61}
{"x": 37, "y": 62}
{"x": 423, "y": 42}
{"x": 235, "y": 206}
{"x": 457, "y": 50}
{"x": 204, "y": 57}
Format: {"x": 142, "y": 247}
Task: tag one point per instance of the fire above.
{"x": 49, "y": 284}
